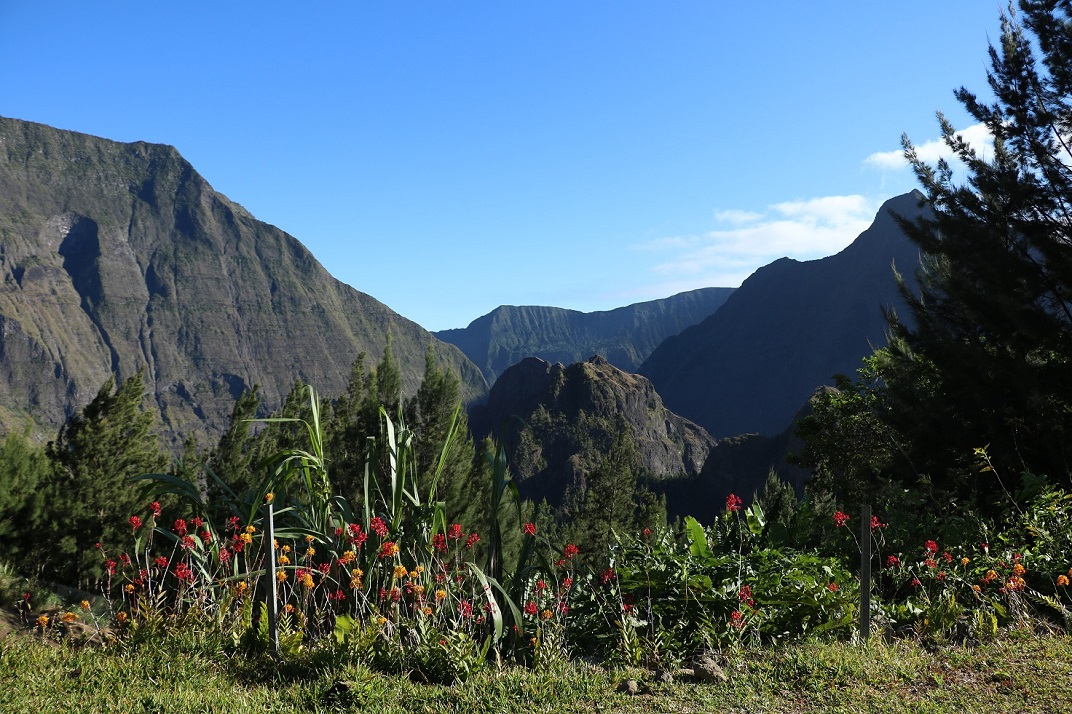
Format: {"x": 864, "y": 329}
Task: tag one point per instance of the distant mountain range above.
{"x": 116, "y": 257}
{"x": 624, "y": 337}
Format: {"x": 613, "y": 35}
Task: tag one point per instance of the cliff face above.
{"x": 115, "y": 257}
{"x": 624, "y": 336}
{"x": 560, "y": 421}
{"x": 788, "y": 329}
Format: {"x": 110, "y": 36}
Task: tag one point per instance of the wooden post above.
{"x": 865, "y": 573}
{"x": 273, "y": 592}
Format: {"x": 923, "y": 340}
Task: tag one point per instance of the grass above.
{"x": 1017, "y": 672}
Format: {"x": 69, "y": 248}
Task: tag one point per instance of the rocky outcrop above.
{"x": 559, "y": 422}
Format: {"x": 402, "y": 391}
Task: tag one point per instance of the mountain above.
{"x": 625, "y": 336}
{"x": 787, "y": 330}
{"x": 560, "y": 421}
{"x": 115, "y": 257}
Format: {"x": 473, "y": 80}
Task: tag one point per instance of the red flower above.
{"x": 733, "y": 503}
{"x": 570, "y": 550}
{"x": 205, "y": 536}
{"x": 378, "y": 526}
{"x": 110, "y": 566}
{"x": 737, "y": 619}
{"x": 531, "y": 608}
{"x": 746, "y": 594}
{"x": 529, "y": 529}
{"x": 324, "y": 568}
{"x": 183, "y": 573}
{"x": 124, "y": 559}
{"x": 225, "y": 555}
{"x": 947, "y": 557}
{"x": 567, "y": 583}
{"x": 915, "y": 582}
{"x": 941, "y": 575}
{"x": 607, "y": 575}
{"x": 876, "y": 524}
{"x": 233, "y": 523}
{"x": 135, "y": 522}
{"x": 180, "y": 527}
{"x": 931, "y": 546}
{"x": 196, "y": 522}
{"x": 439, "y": 542}
{"x": 465, "y": 608}
{"x": 155, "y": 508}
{"x": 161, "y": 562}
{"x": 455, "y": 531}
{"x": 541, "y": 585}
{"x": 892, "y": 561}
{"x": 187, "y": 543}
{"x": 389, "y": 550}
{"x": 646, "y": 532}
{"x": 472, "y": 540}
{"x": 840, "y": 519}
{"x": 832, "y": 587}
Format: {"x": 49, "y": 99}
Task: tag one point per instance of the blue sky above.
{"x": 447, "y": 158}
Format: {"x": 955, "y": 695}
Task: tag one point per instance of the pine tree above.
{"x": 987, "y": 356}
{"x": 95, "y": 455}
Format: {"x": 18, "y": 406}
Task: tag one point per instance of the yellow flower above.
{"x": 381, "y": 620}
{"x": 307, "y": 580}
{"x": 310, "y": 552}
{"x": 440, "y": 595}
{"x": 288, "y": 608}
{"x": 281, "y": 575}
{"x": 419, "y": 589}
{"x": 69, "y": 617}
{"x": 400, "y": 571}
{"x": 964, "y": 561}
{"x": 427, "y": 610}
{"x": 269, "y": 497}
{"x": 991, "y": 575}
{"x": 308, "y": 539}
{"x": 275, "y": 543}
{"x": 42, "y": 621}
{"x": 547, "y": 614}
{"x": 977, "y": 589}
{"x": 251, "y": 530}
{"x": 532, "y": 641}
{"x": 128, "y": 589}
{"x": 357, "y": 572}
{"x": 1062, "y": 581}
{"x": 355, "y": 583}
{"x": 286, "y": 549}
{"x": 239, "y": 589}
{"x": 121, "y": 617}
{"x": 348, "y": 557}
{"x": 245, "y": 537}
{"x": 283, "y": 560}
{"x": 1018, "y": 569}
{"x": 413, "y": 574}
{"x": 84, "y": 604}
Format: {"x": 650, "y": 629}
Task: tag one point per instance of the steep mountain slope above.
{"x": 625, "y": 336}
{"x": 785, "y": 331}
{"x": 119, "y": 256}
{"x": 567, "y": 417}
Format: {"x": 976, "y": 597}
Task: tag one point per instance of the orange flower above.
{"x": 84, "y": 604}
{"x": 121, "y": 617}
{"x": 1062, "y": 581}
{"x": 42, "y": 621}
{"x": 1018, "y": 569}
{"x": 400, "y": 571}
{"x": 281, "y": 575}
{"x": 69, "y": 617}
{"x": 307, "y": 580}
{"x": 546, "y": 615}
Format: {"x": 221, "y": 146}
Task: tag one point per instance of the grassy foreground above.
{"x": 1015, "y": 673}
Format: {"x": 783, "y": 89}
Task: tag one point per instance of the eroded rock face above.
{"x": 561, "y": 420}
{"x": 115, "y": 257}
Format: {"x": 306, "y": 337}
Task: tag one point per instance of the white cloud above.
{"x": 976, "y": 135}
{"x": 744, "y": 240}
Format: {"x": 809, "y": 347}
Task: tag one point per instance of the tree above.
{"x": 95, "y": 455}
{"x": 988, "y": 358}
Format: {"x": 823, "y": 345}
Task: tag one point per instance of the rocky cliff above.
{"x": 115, "y": 257}
{"x": 624, "y": 336}
{"x": 559, "y": 421}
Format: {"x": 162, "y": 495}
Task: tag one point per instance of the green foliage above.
{"x": 90, "y": 498}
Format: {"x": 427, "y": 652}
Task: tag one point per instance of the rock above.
{"x": 664, "y": 677}
{"x": 629, "y": 687}
{"x": 706, "y": 669}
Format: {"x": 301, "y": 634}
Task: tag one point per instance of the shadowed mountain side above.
{"x": 625, "y": 336}
{"x": 788, "y": 329}
{"x": 569, "y": 417}
{"x": 116, "y": 256}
